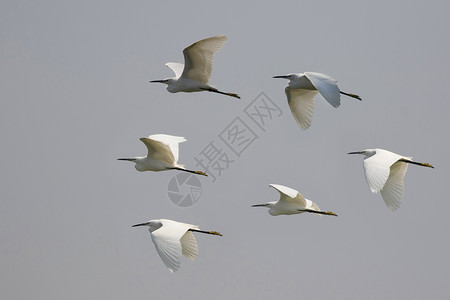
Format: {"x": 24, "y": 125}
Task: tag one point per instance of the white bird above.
{"x": 302, "y": 88}
{"x": 384, "y": 172}
{"x": 291, "y": 202}
{"x": 172, "y": 239}
{"x": 194, "y": 75}
{"x": 162, "y": 154}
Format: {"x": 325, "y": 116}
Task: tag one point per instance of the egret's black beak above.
{"x": 160, "y": 81}
{"x": 127, "y": 159}
{"x": 142, "y": 224}
{"x": 357, "y": 152}
{"x": 282, "y": 76}
{"x": 259, "y": 205}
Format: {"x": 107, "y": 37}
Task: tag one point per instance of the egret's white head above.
{"x": 273, "y": 211}
{"x": 152, "y": 224}
{"x": 138, "y": 162}
{"x": 367, "y": 152}
{"x": 288, "y": 76}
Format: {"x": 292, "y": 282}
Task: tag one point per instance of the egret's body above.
{"x": 302, "y": 88}
{"x": 172, "y": 239}
{"x": 384, "y": 171}
{"x": 162, "y": 154}
{"x": 194, "y": 75}
{"x": 291, "y": 202}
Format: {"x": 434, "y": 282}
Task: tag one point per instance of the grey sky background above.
{"x": 75, "y": 96}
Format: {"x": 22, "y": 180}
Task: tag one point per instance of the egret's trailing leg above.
{"x": 417, "y": 163}
{"x": 351, "y": 95}
{"x": 191, "y": 171}
{"x": 223, "y": 93}
{"x": 207, "y": 232}
{"x": 329, "y": 213}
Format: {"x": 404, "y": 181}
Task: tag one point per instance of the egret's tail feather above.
{"x": 351, "y": 95}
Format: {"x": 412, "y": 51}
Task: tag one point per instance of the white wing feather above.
{"x": 158, "y": 151}
{"x": 177, "y": 68}
{"x": 301, "y": 103}
{"x": 392, "y": 191}
{"x": 378, "y": 167}
{"x": 312, "y": 205}
{"x": 326, "y": 86}
{"x": 189, "y": 245}
{"x": 199, "y": 57}
{"x": 171, "y": 142}
{"x": 289, "y": 195}
{"x": 167, "y": 242}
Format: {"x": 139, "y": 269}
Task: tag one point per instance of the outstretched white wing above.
{"x": 158, "y": 151}
{"x": 301, "y": 103}
{"x": 177, "y": 68}
{"x": 288, "y": 195}
{"x": 326, "y": 86}
{"x": 163, "y": 147}
{"x": 199, "y": 57}
{"x": 392, "y": 191}
{"x": 189, "y": 245}
{"x": 378, "y": 167}
{"x": 167, "y": 242}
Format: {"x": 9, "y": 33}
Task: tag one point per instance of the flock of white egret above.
{"x": 384, "y": 170}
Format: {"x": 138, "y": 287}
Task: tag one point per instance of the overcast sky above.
{"x": 75, "y": 97}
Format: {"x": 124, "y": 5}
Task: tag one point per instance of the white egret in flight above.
{"x": 385, "y": 171}
{"x": 194, "y": 75}
{"x": 291, "y": 202}
{"x": 302, "y": 88}
{"x": 162, "y": 154}
{"x": 172, "y": 239}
